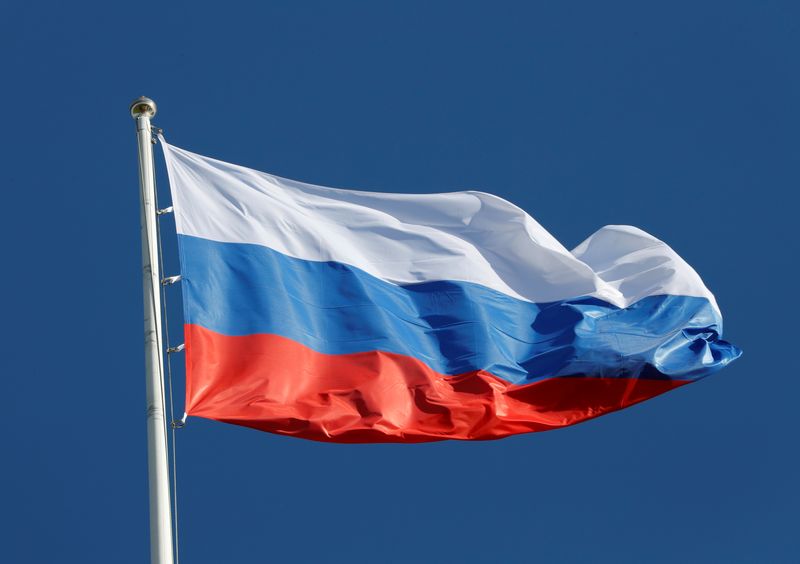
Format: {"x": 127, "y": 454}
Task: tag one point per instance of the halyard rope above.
{"x": 169, "y": 350}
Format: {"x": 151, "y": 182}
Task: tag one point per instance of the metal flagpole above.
{"x": 142, "y": 109}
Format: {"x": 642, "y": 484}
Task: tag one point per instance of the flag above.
{"x": 351, "y": 316}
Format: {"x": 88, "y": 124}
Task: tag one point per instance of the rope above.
{"x": 154, "y": 312}
{"x": 170, "y": 349}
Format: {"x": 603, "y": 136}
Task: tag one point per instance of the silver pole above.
{"x": 142, "y": 110}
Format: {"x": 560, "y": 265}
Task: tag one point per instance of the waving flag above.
{"x": 351, "y": 316}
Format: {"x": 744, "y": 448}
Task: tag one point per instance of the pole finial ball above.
{"x": 143, "y": 107}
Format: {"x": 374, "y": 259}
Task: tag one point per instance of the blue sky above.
{"x": 681, "y": 119}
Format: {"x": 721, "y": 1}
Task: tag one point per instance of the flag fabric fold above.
{"x": 349, "y": 316}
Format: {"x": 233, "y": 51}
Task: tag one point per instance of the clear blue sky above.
{"x": 682, "y": 120}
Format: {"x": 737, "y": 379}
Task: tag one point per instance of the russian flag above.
{"x": 349, "y": 316}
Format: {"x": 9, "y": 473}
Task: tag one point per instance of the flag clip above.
{"x": 169, "y": 280}
{"x": 162, "y": 211}
{"x": 155, "y": 132}
{"x": 177, "y": 349}
{"x": 179, "y": 423}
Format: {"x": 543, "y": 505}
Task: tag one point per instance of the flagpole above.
{"x": 142, "y": 109}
